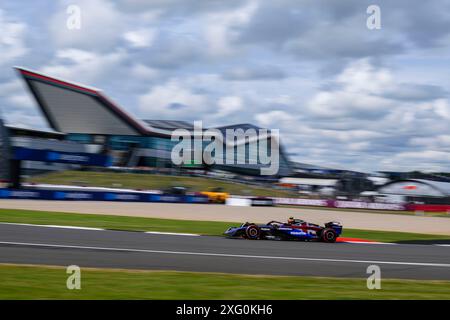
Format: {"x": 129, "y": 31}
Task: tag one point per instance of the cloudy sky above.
{"x": 342, "y": 95}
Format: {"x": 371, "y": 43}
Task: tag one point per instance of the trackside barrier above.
{"x": 340, "y": 204}
{"x": 240, "y": 202}
{"x": 262, "y": 202}
{"x": 301, "y": 202}
{"x": 99, "y": 196}
{"x": 366, "y": 205}
{"x": 61, "y": 194}
{"x": 428, "y": 207}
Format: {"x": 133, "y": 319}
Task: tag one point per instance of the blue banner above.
{"x": 88, "y": 159}
{"x": 99, "y": 196}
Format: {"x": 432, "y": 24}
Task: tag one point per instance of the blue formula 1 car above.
{"x": 294, "y": 229}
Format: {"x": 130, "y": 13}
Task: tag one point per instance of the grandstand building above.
{"x": 417, "y": 191}
{"x": 84, "y": 115}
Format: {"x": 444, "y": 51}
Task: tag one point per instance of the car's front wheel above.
{"x": 329, "y": 235}
{"x": 252, "y": 232}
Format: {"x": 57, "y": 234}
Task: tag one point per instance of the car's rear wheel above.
{"x": 252, "y": 232}
{"x": 329, "y": 235}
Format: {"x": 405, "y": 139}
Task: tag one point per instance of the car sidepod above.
{"x": 234, "y": 232}
{"x": 288, "y": 233}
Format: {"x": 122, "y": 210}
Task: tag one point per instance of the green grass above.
{"x": 152, "y": 181}
{"x": 113, "y": 222}
{"x": 168, "y": 225}
{"x": 43, "y": 282}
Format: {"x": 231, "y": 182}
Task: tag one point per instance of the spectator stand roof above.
{"x": 417, "y": 187}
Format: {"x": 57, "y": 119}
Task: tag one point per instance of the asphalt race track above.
{"x": 135, "y": 250}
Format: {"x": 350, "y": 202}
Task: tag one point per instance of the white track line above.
{"x": 420, "y": 264}
{"x": 173, "y": 233}
{"x": 95, "y": 229}
{"x": 52, "y": 226}
{"x": 369, "y": 242}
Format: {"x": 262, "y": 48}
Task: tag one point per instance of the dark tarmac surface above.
{"x": 133, "y": 250}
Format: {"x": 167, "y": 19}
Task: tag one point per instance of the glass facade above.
{"x": 124, "y": 143}
{"x": 147, "y": 151}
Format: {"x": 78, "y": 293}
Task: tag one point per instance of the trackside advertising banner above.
{"x": 170, "y": 198}
{"x": 301, "y": 202}
{"x": 89, "y": 159}
{"x": 98, "y": 196}
{"x": 339, "y": 204}
{"x": 366, "y": 205}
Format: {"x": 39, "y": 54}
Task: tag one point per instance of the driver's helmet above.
{"x": 291, "y": 220}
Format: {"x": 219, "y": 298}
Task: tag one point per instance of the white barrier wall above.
{"x": 240, "y": 202}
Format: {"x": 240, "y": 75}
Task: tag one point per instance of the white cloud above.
{"x": 141, "y": 38}
{"x": 273, "y": 118}
{"x": 425, "y": 160}
{"x": 442, "y": 108}
{"x": 349, "y": 136}
{"x": 101, "y": 26}
{"x": 12, "y": 86}
{"x": 358, "y": 93}
{"x": 83, "y": 66}
{"x": 439, "y": 142}
{"x": 228, "y": 105}
{"x": 21, "y": 101}
{"x": 362, "y": 77}
{"x": 77, "y": 56}
{"x": 359, "y": 146}
{"x": 265, "y": 72}
{"x": 12, "y": 44}
{"x": 348, "y": 104}
{"x": 141, "y": 71}
{"x": 172, "y": 100}
{"x": 25, "y": 120}
{"x": 220, "y": 27}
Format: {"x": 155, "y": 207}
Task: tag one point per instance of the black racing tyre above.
{"x": 328, "y": 235}
{"x": 252, "y": 232}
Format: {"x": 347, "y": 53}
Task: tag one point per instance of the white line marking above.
{"x": 421, "y": 264}
{"x": 443, "y": 245}
{"x": 362, "y": 242}
{"x": 52, "y": 226}
{"x": 96, "y": 229}
{"x": 174, "y": 233}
